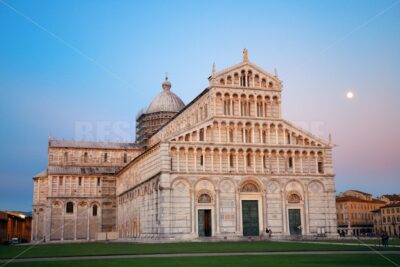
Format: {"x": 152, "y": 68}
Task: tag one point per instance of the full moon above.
{"x": 350, "y": 95}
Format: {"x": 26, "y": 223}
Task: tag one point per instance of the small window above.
{"x": 80, "y": 181}
{"x": 85, "y": 157}
{"x": 98, "y": 181}
{"x": 231, "y": 135}
{"x": 290, "y": 162}
{"x": 231, "y": 164}
{"x": 320, "y": 167}
{"x": 248, "y": 159}
{"x": 105, "y": 157}
{"x": 201, "y": 135}
{"x": 60, "y": 180}
{"x": 70, "y": 207}
{"x": 65, "y": 157}
{"x": 125, "y": 158}
{"x": 201, "y": 160}
{"x": 288, "y": 139}
{"x": 94, "y": 210}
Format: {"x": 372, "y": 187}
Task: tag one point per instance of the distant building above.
{"x": 15, "y": 224}
{"x": 390, "y": 198}
{"x": 354, "y": 216}
{"x": 387, "y": 219}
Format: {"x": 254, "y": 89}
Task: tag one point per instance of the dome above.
{"x": 166, "y": 100}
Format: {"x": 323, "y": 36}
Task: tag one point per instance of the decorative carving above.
{"x": 226, "y": 186}
{"x": 293, "y": 197}
{"x": 204, "y": 198}
{"x": 273, "y": 187}
{"x": 180, "y": 187}
{"x": 250, "y": 187}
{"x": 245, "y": 55}
{"x": 315, "y": 187}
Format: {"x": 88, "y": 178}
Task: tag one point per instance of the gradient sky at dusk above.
{"x": 64, "y": 63}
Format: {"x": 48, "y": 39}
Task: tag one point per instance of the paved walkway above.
{"x": 340, "y": 243}
{"x": 197, "y": 255}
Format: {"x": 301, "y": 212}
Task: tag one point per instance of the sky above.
{"x": 66, "y": 65}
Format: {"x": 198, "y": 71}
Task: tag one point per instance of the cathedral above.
{"x": 226, "y": 166}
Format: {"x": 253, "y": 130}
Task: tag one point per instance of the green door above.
{"x": 204, "y": 222}
{"x": 250, "y": 218}
{"x": 294, "y": 222}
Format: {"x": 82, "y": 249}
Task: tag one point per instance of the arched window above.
{"x": 204, "y": 198}
{"x": 243, "y": 78}
{"x": 231, "y": 135}
{"x": 231, "y": 160}
{"x": 320, "y": 167}
{"x": 264, "y": 137}
{"x": 201, "y": 134}
{"x": 105, "y": 157}
{"x": 69, "y": 207}
{"x": 248, "y": 159}
{"x": 290, "y": 162}
{"x": 94, "y": 210}
{"x": 125, "y": 158}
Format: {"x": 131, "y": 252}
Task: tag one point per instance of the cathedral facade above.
{"x": 226, "y": 165}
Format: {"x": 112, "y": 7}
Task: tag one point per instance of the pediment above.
{"x": 256, "y": 77}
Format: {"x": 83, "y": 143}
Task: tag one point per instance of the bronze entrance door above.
{"x": 204, "y": 222}
{"x": 294, "y": 222}
{"x": 250, "y": 218}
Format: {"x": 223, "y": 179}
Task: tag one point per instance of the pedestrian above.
{"x": 270, "y": 233}
{"x": 385, "y": 239}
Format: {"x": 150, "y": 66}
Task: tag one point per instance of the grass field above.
{"x": 92, "y": 249}
{"x": 232, "y": 261}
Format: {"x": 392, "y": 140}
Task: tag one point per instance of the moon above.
{"x": 350, "y": 95}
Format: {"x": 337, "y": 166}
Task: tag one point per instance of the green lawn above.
{"x": 233, "y": 261}
{"x": 86, "y": 249}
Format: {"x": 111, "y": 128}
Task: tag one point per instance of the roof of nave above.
{"x": 356, "y": 199}
{"x": 308, "y": 133}
{"x": 41, "y": 174}
{"x": 82, "y": 170}
{"x": 91, "y": 144}
{"x": 183, "y": 109}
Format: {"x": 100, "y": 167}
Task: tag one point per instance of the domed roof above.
{"x": 166, "y": 100}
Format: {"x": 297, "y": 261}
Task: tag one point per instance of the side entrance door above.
{"x": 250, "y": 218}
{"x": 294, "y": 222}
{"x": 204, "y": 222}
